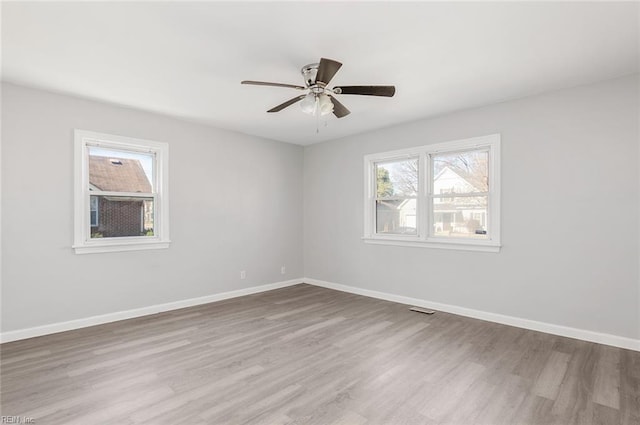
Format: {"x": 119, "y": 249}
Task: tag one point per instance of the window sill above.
{"x": 120, "y": 247}
{"x": 480, "y": 246}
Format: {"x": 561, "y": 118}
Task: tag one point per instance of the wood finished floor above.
{"x": 309, "y": 355}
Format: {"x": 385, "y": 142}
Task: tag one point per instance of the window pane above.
{"x": 396, "y": 216}
{"x": 122, "y": 216}
{"x": 462, "y": 217}
{"x": 120, "y": 171}
{"x": 397, "y": 178}
{"x": 93, "y": 209}
{"x": 461, "y": 172}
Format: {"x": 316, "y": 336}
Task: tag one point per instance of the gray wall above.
{"x": 570, "y": 212}
{"x": 236, "y": 204}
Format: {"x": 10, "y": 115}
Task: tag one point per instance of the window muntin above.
{"x": 121, "y": 193}
{"x": 454, "y": 202}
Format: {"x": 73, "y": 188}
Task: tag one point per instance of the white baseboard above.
{"x": 137, "y": 312}
{"x": 601, "y": 338}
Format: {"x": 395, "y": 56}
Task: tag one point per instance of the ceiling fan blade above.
{"x": 326, "y": 70}
{"x": 387, "y": 91}
{"x": 287, "y": 103}
{"x": 339, "y": 110}
{"x": 263, "y": 83}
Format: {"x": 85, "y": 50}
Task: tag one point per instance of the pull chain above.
{"x": 317, "y": 115}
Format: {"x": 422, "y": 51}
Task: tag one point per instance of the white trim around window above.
{"x": 159, "y": 151}
{"x": 486, "y": 239}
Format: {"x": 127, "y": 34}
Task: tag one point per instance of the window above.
{"x": 121, "y": 193}
{"x": 445, "y": 195}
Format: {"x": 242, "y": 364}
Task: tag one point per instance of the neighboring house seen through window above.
{"x": 121, "y": 193}
{"x": 445, "y": 195}
{"x": 94, "y": 212}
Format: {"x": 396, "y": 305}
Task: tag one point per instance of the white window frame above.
{"x": 424, "y": 218}
{"x": 83, "y": 243}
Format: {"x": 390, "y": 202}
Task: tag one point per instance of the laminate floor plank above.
{"x": 607, "y": 382}
{"x": 500, "y": 406}
{"x": 629, "y": 388}
{"x": 305, "y": 355}
{"x": 573, "y": 403}
{"x": 548, "y": 382}
{"x": 453, "y": 387}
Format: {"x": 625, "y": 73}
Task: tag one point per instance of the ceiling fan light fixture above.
{"x": 325, "y": 105}
{"x": 308, "y": 104}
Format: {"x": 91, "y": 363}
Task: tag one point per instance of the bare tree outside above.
{"x": 474, "y": 165}
{"x": 408, "y": 176}
{"x": 401, "y": 176}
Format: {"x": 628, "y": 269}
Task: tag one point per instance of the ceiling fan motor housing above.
{"x": 309, "y": 73}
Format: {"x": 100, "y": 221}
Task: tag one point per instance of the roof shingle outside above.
{"x": 106, "y": 174}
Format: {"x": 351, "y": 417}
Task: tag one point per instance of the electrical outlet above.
{"x": 283, "y": 270}
{"x": 243, "y": 274}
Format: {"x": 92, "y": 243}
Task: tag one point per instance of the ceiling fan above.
{"x": 320, "y": 99}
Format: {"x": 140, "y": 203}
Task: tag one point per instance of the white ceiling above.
{"x": 187, "y": 59}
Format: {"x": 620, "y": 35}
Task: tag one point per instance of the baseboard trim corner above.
{"x": 138, "y": 312}
{"x": 582, "y": 334}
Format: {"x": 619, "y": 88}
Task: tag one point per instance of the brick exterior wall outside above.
{"x": 119, "y": 218}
